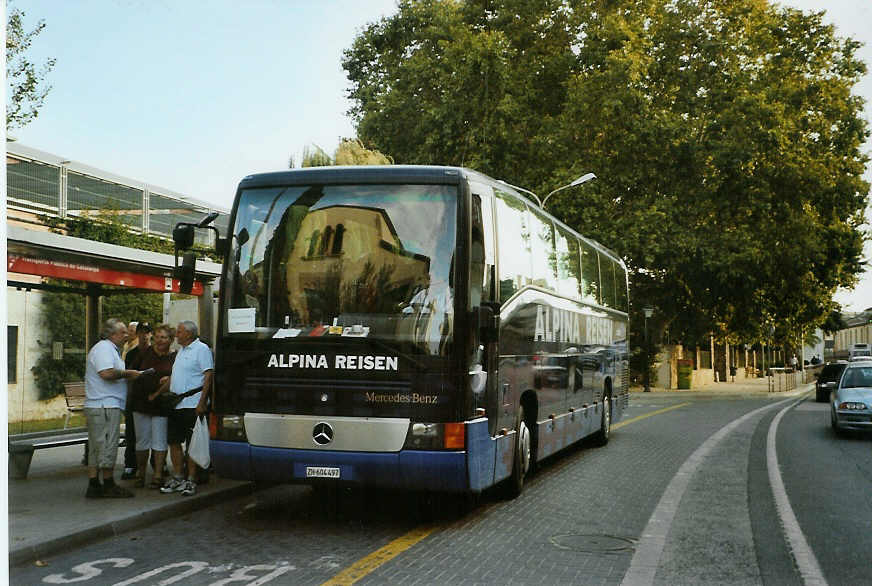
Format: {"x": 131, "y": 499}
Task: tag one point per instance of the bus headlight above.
{"x": 435, "y": 436}
{"x": 230, "y": 428}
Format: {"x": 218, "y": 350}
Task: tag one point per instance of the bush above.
{"x": 51, "y": 374}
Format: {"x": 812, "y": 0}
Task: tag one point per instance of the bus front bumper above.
{"x": 407, "y": 469}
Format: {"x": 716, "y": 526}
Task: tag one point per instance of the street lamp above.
{"x": 649, "y": 311}
{"x": 527, "y": 191}
{"x": 583, "y": 179}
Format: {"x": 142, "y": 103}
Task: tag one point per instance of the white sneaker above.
{"x": 189, "y": 488}
{"x": 173, "y": 485}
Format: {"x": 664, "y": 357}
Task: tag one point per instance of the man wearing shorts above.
{"x": 192, "y": 369}
{"x": 105, "y": 396}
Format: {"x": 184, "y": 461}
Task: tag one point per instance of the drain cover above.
{"x": 593, "y": 543}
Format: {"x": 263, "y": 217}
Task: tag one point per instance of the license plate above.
{"x": 321, "y": 472}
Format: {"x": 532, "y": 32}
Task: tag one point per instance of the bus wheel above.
{"x": 601, "y": 437}
{"x": 521, "y": 460}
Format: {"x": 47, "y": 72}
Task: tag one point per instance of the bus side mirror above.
{"x": 185, "y": 272}
{"x": 183, "y": 236}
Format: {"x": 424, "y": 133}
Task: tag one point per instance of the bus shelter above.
{"x": 105, "y": 269}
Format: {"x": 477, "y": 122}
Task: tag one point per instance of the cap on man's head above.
{"x": 144, "y": 327}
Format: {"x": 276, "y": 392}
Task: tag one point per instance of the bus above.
{"x": 414, "y": 327}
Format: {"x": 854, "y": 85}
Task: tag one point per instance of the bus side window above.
{"x": 487, "y": 222}
{"x": 568, "y": 267}
{"x": 590, "y": 279}
{"x": 514, "y": 245}
{"x": 607, "y": 274}
{"x": 477, "y": 273}
{"x": 544, "y": 258}
{"x": 621, "y": 287}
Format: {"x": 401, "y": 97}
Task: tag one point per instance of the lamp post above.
{"x": 649, "y": 311}
{"x": 578, "y": 181}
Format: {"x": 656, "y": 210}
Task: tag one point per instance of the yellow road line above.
{"x": 646, "y": 415}
{"x": 370, "y": 563}
{"x": 364, "y": 566}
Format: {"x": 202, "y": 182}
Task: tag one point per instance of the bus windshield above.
{"x": 373, "y": 260}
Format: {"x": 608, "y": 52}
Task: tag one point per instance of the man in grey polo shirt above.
{"x": 105, "y": 396}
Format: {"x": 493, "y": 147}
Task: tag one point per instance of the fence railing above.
{"x": 783, "y": 379}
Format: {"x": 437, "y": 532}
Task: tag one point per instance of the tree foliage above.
{"x": 350, "y": 151}
{"x": 724, "y": 133}
{"x": 64, "y": 313}
{"x": 315, "y": 156}
{"x": 26, "y": 87}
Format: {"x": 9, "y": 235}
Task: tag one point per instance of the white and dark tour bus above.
{"x": 416, "y": 327}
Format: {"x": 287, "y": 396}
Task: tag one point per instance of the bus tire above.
{"x": 601, "y": 437}
{"x": 521, "y": 459}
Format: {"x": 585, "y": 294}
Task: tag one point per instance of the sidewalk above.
{"x": 742, "y": 386}
{"x": 48, "y": 512}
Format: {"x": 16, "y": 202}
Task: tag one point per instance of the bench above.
{"x": 74, "y": 393}
{"x": 22, "y": 446}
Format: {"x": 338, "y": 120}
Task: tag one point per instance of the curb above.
{"x": 29, "y": 553}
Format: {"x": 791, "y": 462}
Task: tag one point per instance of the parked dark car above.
{"x": 831, "y": 373}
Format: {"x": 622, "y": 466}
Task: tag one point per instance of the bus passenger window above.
{"x": 514, "y": 245}
{"x": 477, "y": 274}
{"x": 544, "y": 257}
{"x": 568, "y": 267}
{"x": 621, "y": 287}
{"x": 590, "y": 279}
{"x": 481, "y": 251}
{"x": 607, "y": 274}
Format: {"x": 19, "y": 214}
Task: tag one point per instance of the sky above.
{"x": 193, "y": 95}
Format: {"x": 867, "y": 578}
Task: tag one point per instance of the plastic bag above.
{"x": 199, "y": 448}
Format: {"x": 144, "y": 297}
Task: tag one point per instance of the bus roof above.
{"x": 397, "y": 174}
{"x": 352, "y": 174}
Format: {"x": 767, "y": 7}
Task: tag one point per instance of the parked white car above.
{"x": 851, "y": 402}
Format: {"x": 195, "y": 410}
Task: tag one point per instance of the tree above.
{"x": 349, "y": 152}
{"x": 833, "y": 323}
{"x": 724, "y": 134}
{"x": 25, "y": 83}
{"x": 315, "y": 156}
{"x": 64, "y": 313}
{"x": 352, "y": 152}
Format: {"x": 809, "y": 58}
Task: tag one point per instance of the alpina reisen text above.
{"x": 340, "y": 361}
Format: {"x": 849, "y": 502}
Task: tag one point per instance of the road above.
{"x": 688, "y": 491}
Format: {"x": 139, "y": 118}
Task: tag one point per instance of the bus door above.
{"x": 482, "y": 294}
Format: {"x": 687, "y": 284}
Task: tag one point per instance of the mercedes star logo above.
{"x": 322, "y": 434}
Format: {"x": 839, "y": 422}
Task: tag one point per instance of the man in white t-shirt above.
{"x": 192, "y": 369}
{"x": 105, "y": 396}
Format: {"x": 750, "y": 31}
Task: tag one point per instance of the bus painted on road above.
{"x": 417, "y": 327}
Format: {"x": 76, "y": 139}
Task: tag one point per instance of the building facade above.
{"x": 43, "y": 184}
